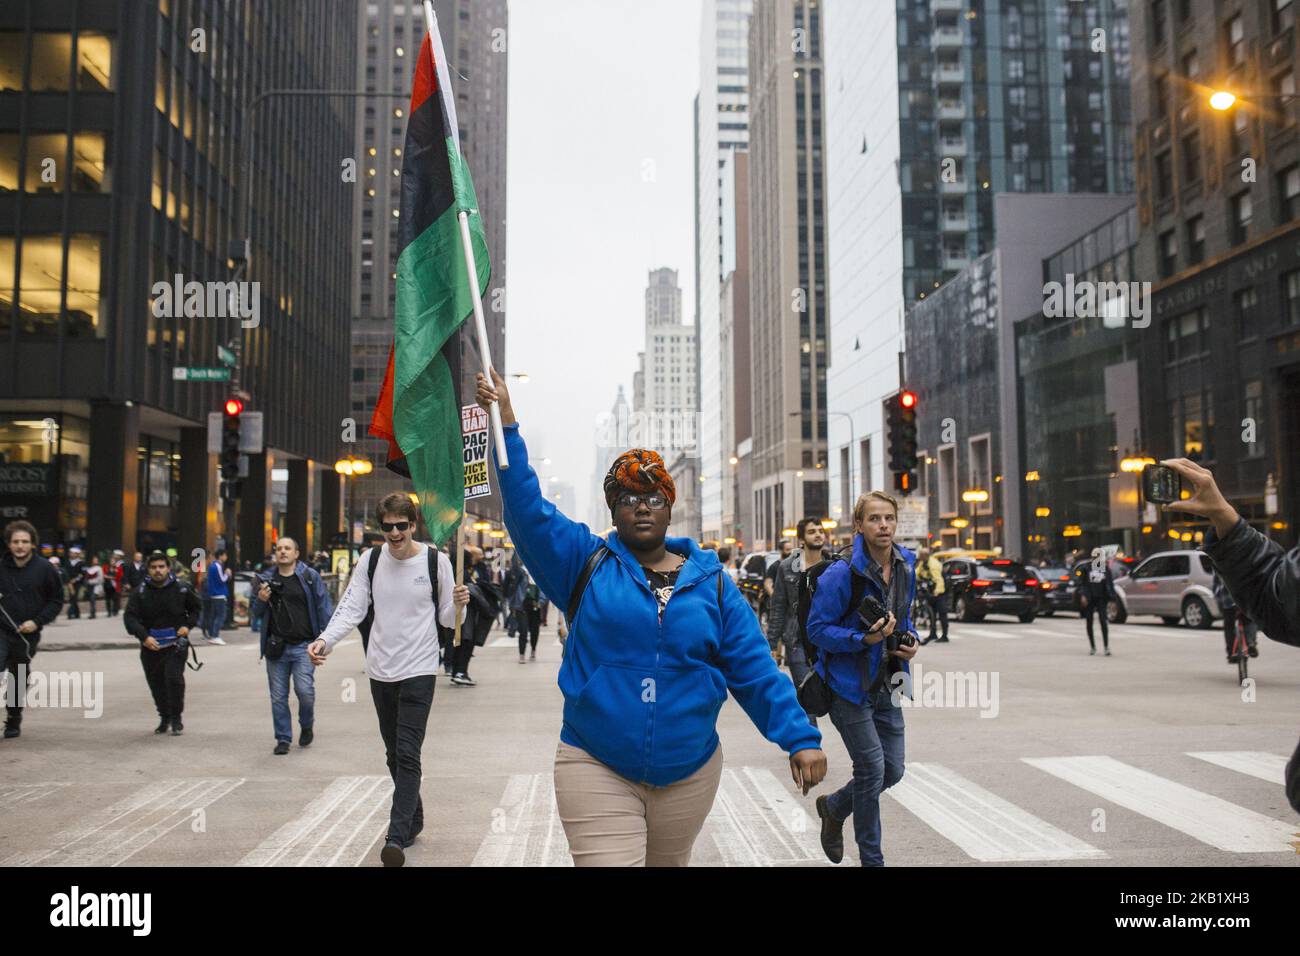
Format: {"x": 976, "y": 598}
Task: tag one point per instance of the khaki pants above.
{"x": 611, "y": 821}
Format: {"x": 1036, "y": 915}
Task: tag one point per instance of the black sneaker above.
{"x": 832, "y": 832}
{"x": 281, "y": 748}
{"x": 13, "y": 728}
{"x": 941, "y": 640}
{"x": 306, "y": 737}
{"x": 1254, "y": 651}
{"x": 164, "y": 725}
{"x": 177, "y": 727}
{"x": 392, "y": 854}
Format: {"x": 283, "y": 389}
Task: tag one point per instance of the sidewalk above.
{"x": 107, "y": 633}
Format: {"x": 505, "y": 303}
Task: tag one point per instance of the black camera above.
{"x": 871, "y": 612}
{"x": 276, "y": 586}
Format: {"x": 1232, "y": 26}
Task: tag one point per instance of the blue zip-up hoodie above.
{"x": 319, "y": 606}
{"x": 640, "y": 695}
{"x": 836, "y": 628}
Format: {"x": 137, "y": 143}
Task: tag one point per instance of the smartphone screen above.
{"x": 1161, "y": 484}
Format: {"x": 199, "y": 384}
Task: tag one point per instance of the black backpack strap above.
{"x": 593, "y": 562}
{"x": 433, "y": 577}
{"x": 721, "y": 575}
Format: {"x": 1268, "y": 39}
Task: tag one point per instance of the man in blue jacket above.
{"x": 294, "y": 608}
{"x": 861, "y": 673}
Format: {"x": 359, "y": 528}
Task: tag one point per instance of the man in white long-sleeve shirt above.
{"x": 402, "y": 656}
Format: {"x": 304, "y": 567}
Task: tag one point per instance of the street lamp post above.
{"x": 352, "y": 468}
{"x": 974, "y": 496}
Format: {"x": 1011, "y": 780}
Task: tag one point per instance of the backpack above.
{"x": 808, "y": 587}
{"x": 593, "y": 562}
{"x": 371, "y": 565}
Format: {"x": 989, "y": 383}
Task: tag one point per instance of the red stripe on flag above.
{"x": 381, "y": 422}
{"x": 426, "y": 77}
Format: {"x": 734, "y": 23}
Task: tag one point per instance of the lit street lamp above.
{"x": 352, "y": 467}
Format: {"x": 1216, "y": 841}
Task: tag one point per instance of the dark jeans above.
{"x": 214, "y": 616}
{"x": 165, "y": 672}
{"x": 1230, "y": 629}
{"x": 534, "y": 616}
{"x": 13, "y": 652}
{"x": 112, "y": 601}
{"x": 1097, "y": 606}
{"x": 403, "y": 710}
{"x": 797, "y": 661}
{"x": 938, "y": 613}
{"x": 460, "y": 655}
{"x": 873, "y": 736}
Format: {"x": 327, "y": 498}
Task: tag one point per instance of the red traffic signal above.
{"x": 234, "y": 406}
{"x": 907, "y": 399}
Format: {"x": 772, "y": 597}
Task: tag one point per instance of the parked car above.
{"x": 980, "y": 586}
{"x": 1173, "y": 585}
{"x": 1057, "y": 591}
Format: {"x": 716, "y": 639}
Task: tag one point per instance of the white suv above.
{"x": 1174, "y": 585}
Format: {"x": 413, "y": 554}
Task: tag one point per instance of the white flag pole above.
{"x": 480, "y": 325}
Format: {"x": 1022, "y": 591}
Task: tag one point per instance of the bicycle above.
{"x": 1240, "y": 648}
{"x": 922, "y": 610}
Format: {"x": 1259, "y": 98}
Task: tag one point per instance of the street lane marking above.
{"x": 525, "y": 828}
{"x": 327, "y": 829}
{"x": 1254, "y": 763}
{"x": 985, "y": 632}
{"x": 755, "y": 821}
{"x": 16, "y": 794}
{"x": 986, "y": 827}
{"x": 1199, "y": 815}
{"x": 114, "y": 834}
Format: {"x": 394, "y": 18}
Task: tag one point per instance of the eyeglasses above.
{"x": 653, "y": 502}
{"x": 394, "y": 525}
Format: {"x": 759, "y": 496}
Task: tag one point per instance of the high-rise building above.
{"x": 933, "y": 108}
{"x": 388, "y": 41}
{"x": 124, "y": 126}
{"x": 721, "y": 126}
{"x": 1218, "y": 216}
{"x": 788, "y": 296}
{"x": 737, "y": 419}
{"x": 612, "y": 439}
{"x": 666, "y": 419}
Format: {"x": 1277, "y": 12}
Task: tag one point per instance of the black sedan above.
{"x": 981, "y": 586}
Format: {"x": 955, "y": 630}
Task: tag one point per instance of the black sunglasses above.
{"x": 394, "y": 525}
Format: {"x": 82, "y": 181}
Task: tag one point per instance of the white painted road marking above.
{"x": 1254, "y": 763}
{"x": 16, "y": 794}
{"x": 335, "y": 829}
{"x": 112, "y": 835}
{"x": 525, "y": 829}
{"x": 1200, "y": 815}
{"x": 986, "y": 827}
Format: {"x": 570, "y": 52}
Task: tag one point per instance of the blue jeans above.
{"x": 873, "y": 736}
{"x": 215, "y": 616}
{"x": 293, "y": 661}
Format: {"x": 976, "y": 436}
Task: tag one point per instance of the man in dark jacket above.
{"x": 1096, "y": 589}
{"x": 783, "y": 610}
{"x": 160, "y": 615}
{"x": 31, "y": 593}
{"x": 293, "y": 607}
{"x": 1264, "y": 580}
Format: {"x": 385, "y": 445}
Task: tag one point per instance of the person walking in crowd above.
{"x": 160, "y": 615}
{"x": 73, "y": 572}
{"x": 514, "y": 586}
{"x": 1096, "y": 589}
{"x": 858, "y": 666}
{"x": 218, "y": 588}
{"x": 484, "y": 605}
{"x": 929, "y": 574}
{"x": 92, "y": 582}
{"x": 532, "y": 611}
{"x": 1264, "y": 579}
{"x": 1231, "y": 614}
{"x": 293, "y": 608}
{"x": 134, "y": 573}
{"x": 113, "y": 584}
{"x": 769, "y": 586}
{"x": 31, "y": 594}
{"x": 400, "y": 591}
{"x": 657, "y": 634}
{"x": 783, "y": 616}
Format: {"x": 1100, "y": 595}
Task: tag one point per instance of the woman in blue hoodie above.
{"x": 658, "y": 637}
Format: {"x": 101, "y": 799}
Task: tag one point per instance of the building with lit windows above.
{"x": 124, "y": 127}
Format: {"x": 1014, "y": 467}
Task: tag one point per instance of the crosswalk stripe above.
{"x": 1199, "y": 815}
{"x": 986, "y": 632}
{"x": 526, "y": 829}
{"x": 986, "y": 827}
{"x": 328, "y": 827}
{"x": 756, "y": 822}
{"x": 12, "y": 796}
{"x": 110, "y": 836}
{"x": 1254, "y": 763}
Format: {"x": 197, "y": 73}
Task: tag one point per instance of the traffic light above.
{"x": 900, "y": 424}
{"x": 230, "y": 439}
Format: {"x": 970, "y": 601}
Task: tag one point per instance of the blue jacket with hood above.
{"x": 319, "y": 606}
{"x": 642, "y": 695}
{"x": 837, "y": 630}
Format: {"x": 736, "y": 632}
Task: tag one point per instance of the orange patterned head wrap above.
{"x": 639, "y": 471}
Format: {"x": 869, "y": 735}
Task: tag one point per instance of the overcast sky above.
{"x": 601, "y": 190}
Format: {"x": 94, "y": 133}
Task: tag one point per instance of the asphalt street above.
{"x": 1152, "y": 756}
